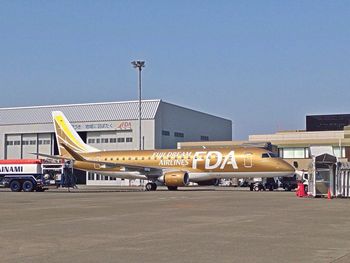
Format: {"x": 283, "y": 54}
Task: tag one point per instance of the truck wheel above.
{"x": 15, "y": 186}
{"x": 28, "y": 186}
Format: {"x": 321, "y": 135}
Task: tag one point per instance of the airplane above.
{"x": 172, "y": 168}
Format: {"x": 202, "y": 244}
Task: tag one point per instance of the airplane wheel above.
{"x": 256, "y": 188}
{"x": 154, "y": 186}
{"x": 151, "y": 187}
{"x": 148, "y": 187}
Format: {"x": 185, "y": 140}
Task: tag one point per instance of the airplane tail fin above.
{"x": 67, "y": 136}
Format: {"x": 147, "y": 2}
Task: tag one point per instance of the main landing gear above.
{"x": 151, "y": 187}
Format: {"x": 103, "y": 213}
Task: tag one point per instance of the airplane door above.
{"x": 248, "y": 160}
{"x": 97, "y": 165}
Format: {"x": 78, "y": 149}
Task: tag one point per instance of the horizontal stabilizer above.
{"x": 56, "y": 157}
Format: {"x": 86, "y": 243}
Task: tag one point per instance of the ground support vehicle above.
{"x": 31, "y": 174}
{"x": 289, "y": 183}
{"x": 263, "y": 184}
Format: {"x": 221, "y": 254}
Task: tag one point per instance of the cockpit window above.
{"x": 269, "y": 155}
{"x": 265, "y": 155}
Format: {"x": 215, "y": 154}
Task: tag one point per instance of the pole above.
{"x": 140, "y": 69}
{"x": 139, "y": 65}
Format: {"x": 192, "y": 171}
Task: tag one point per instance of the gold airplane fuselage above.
{"x": 201, "y": 164}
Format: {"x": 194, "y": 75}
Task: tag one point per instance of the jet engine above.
{"x": 177, "y": 178}
{"x": 209, "y": 182}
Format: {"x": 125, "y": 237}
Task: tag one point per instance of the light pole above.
{"x": 139, "y": 65}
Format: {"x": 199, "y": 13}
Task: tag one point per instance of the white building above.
{"x": 107, "y": 126}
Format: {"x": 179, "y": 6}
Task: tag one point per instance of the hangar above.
{"x": 107, "y": 126}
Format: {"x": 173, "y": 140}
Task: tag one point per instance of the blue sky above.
{"x": 262, "y": 64}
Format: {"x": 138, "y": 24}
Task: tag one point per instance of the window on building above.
{"x": 91, "y": 176}
{"x": 307, "y": 152}
{"x": 165, "y": 133}
{"x": 179, "y": 134}
{"x": 91, "y": 140}
{"x": 97, "y": 177}
{"x": 47, "y": 142}
{"x": 104, "y": 140}
{"x": 280, "y": 152}
{"x": 339, "y": 151}
{"x": 112, "y": 140}
{"x": 204, "y": 138}
{"x": 32, "y": 142}
{"x": 25, "y": 142}
{"x": 121, "y": 139}
{"x": 112, "y": 178}
{"x": 297, "y": 152}
{"x": 17, "y": 142}
{"x": 129, "y": 139}
{"x": 98, "y": 140}
{"x": 9, "y": 142}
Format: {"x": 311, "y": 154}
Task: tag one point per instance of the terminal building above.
{"x": 25, "y": 131}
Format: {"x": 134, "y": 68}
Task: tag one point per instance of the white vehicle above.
{"x": 30, "y": 174}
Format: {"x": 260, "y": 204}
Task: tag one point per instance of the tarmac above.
{"x": 210, "y": 224}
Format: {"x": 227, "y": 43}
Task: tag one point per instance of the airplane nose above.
{"x": 286, "y": 168}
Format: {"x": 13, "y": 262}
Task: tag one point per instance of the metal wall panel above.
{"x": 80, "y": 112}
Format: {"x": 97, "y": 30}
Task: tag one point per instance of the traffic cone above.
{"x": 329, "y": 196}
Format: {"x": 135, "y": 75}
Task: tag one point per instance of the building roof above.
{"x": 108, "y": 111}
